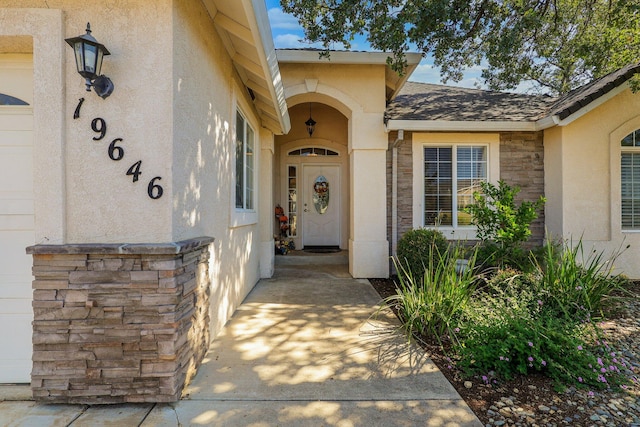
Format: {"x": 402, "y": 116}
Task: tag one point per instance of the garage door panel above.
{"x": 15, "y": 119}
{"x": 17, "y": 223}
{"x": 15, "y": 363}
{"x": 17, "y": 306}
{"x": 17, "y": 220}
{"x": 17, "y": 138}
{"x": 16, "y": 170}
{"x": 11, "y": 206}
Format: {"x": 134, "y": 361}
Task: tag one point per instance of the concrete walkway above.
{"x": 304, "y": 349}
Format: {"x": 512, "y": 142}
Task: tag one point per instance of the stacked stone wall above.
{"x": 522, "y": 165}
{"x": 118, "y": 323}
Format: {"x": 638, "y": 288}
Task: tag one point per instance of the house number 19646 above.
{"x": 115, "y": 151}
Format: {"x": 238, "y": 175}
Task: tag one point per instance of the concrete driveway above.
{"x": 308, "y": 347}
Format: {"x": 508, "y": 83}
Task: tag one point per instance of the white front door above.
{"x": 321, "y": 205}
{"x": 16, "y": 229}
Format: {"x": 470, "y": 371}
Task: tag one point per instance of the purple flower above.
{"x": 600, "y": 362}
{"x": 501, "y": 358}
{"x": 530, "y": 344}
{"x": 590, "y": 394}
{"x": 540, "y": 302}
{"x": 530, "y": 359}
{"x": 579, "y": 347}
{"x": 579, "y": 379}
{"x": 456, "y": 330}
{"x": 544, "y": 363}
{"x": 485, "y": 379}
{"x": 603, "y": 370}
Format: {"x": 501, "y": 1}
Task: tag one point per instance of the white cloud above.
{"x": 428, "y": 73}
{"x": 284, "y": 41}
{"x": 283, "y": 21}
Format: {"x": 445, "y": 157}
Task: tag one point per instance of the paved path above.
{"x": 304, "y": 349}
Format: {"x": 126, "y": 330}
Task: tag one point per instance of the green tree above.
{"x": 557, "y": 44}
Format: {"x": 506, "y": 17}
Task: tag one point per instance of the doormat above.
{"x": 322, "y": 249}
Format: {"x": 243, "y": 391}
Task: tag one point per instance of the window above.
{"x": 312, "y": 152}
{"x": 630, "y": 181}
{"x": 451, "y": 175}
{"x": 245, "y": 164}
{"x": 11, "y": 100}
{"x": 293, "y": 201}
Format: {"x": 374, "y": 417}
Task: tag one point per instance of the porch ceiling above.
{"x": 244, "y": 28}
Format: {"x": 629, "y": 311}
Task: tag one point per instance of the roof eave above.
{"x": 566, "y": 117}
{"x": 461, "y": 126}
{"x": 260, "y": 66}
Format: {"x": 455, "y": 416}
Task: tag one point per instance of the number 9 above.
{"x": 98, "y": 125}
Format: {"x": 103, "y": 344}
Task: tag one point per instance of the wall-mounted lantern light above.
{"x": 311, "y": 124}
{"x": 89, "y": 54}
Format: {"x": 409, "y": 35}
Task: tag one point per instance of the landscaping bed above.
{"x": 530, "y": 400}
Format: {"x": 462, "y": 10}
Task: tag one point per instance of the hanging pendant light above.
{"x": 311, "y": 124}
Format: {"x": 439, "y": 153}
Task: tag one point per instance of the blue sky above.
{"x": 287, "y": 33}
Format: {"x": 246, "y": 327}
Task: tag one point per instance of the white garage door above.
{"x": 16, "y": 217}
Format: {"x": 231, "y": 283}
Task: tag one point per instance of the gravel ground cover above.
{"x": 531, "y": 400}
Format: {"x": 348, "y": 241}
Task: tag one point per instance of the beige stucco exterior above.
{"x": 176, "y": 94}
{"x": 582, "y": 164}
{"x": 357, "y": 93}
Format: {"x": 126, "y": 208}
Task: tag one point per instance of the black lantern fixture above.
{"x": 89, "y": 54}
{"x": 311, "y": 124}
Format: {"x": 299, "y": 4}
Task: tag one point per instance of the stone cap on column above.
{"x": 170, "y": 248}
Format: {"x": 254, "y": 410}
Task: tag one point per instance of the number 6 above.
{"x": 154, "y": 190}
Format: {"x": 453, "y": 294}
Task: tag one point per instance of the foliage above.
{"x": 432, "y": 304}
{"x": 502, "y": 226}
{"x": 577, "y": 282}
{"x": 518, "y": 323}
{"x": 511, "y": 329}
{"x": 416, "y": 249}
{"x": 555, "y": 44}
{"x": 543, "y": 321}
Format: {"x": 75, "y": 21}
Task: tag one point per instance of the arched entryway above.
{"x": 311, "y": 177}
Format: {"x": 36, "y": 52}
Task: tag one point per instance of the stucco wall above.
{"x": 206, "y": 94}
{"x": 358, "y": 93}
{"x": 174, "y": 106}
{"x": 590, "y": 177}
{"x": 98, "y": 201}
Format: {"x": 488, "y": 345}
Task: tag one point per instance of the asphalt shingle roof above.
{"x": 424, "y": 101}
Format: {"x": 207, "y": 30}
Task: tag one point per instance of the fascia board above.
{"x": 260, "y": 27}
{"x": 460, "y": 126}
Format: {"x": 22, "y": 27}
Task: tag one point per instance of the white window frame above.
{"x": 244, "y": 216}
{"x": 452, "y": 140}
{"x": 626, "y": 150}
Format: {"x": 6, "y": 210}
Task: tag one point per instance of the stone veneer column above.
{"x": 116, "y": 323}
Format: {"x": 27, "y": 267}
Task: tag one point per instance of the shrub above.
{"x": 502, "y": 225}
{"x": 578, "y": 284}
{"x": 431, "y": 305}
{"x": 510, "y": 329}
{"x": 417, "y": 248}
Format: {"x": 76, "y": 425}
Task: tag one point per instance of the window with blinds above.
{"x": 630, "y": 181}
{"x": 451, "y": 175}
